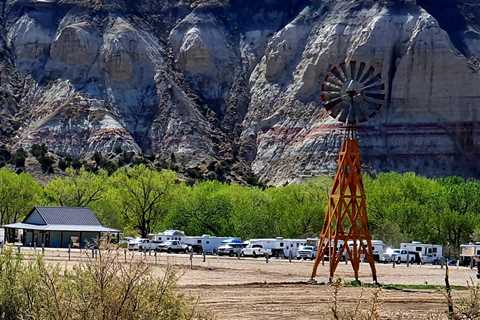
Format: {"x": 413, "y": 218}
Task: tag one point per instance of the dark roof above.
{"x": 67, "y": 216}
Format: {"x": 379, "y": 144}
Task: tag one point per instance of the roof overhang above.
{"x": 61, "y": 227}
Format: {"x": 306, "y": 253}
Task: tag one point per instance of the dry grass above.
{"x": 99, "y": 289}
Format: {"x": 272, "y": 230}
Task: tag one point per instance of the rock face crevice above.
{"x": 234, "y": 86}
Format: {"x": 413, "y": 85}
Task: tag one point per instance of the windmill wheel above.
{"x": 353, "y": 93}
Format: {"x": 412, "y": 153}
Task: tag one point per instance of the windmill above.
{"x": 352, "y": 94}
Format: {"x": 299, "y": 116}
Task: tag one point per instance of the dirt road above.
{"x": 251, "y": 289}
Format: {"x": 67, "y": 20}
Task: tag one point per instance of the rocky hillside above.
{"x": 230, "y": 89}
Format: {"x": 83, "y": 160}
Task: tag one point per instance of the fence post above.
{"x": 408, "y": 260}
{"x": 125, "y": 254}
{"x": 155, "y": 256}
{"x": 191, "y": 259}
{"x": 266, "y": 257}
{"x": 204, "y": 256}
{"x": 43, "y": 248}
{"x": 69, "y": 249}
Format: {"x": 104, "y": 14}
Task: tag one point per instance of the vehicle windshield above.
{"x": 257, "y": 246}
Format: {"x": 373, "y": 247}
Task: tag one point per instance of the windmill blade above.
{"x": 343, "y": 71}
{"x": 374, "y": 87}
{"x": 331, "y": 103}
{"x": 331, "y": 85}
{"x": 353, "y": 70}
{"x": 376, "y": 96}
{"x": 361, "y": 69}
{"x": 333, "y": 79}
{"x": 375, "y": 80}
{"x": 336, "y": 109}
{"x": 338, "y": 75}
{"x": 367, "y": 75}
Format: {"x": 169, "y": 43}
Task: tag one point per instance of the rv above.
{"x": 469, "y": 252}
{"x": 378, "y": 248}
{"x": 170, "y": 235}
{"x": 206, "y": 244}
{"x": 429, "y": 253}
{"x": 291, "y": 247}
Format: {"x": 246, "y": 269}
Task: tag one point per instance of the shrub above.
{"x": 102, "y": 288}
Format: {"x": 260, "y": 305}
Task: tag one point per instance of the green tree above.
{"x": 140, "y": 195}
{"x": 77, "y": 189}
{"x": 18, "y": 194}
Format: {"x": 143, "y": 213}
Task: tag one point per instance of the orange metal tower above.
{"x": 352, "y": 94}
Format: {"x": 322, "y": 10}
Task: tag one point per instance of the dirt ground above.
{"x": 250, "y": 288}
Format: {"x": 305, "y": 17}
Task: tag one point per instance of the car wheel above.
{"x": 169, "y": 250}
{"x": 242, "y": 254}
{"x": 254, "y": 254}
{"x": 299, "y": 258}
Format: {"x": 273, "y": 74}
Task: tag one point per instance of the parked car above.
{"x": 173, "y": 246}
{"x": 149, "y": 245}
{"x": 255, "y": 250}
{"x": 230, "y": 249}
{"x": 306, "y": 252}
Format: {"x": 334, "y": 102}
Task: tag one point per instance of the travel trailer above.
{"x": 170, "y": 235}
{"x": 206, "y": 243}
{"x": 469, "y": 252}
{"x": 429, "y": 253}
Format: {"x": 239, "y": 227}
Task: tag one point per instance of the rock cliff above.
{"x": 231, "y": 89}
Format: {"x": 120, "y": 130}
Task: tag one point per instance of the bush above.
{"x": 102, "y": 288}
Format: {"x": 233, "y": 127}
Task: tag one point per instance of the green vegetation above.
{"x": 101, "y": 288}
{"x": 139, "y": 200}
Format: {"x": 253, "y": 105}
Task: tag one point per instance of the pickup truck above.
{"x": 255, "y": 250}
{"x": 173, "y": 246}
{"x": 149, "y": 245}
{"x": 134, "y": 244}
{"x": 306, "y": 252}
{"x": 402, "y": 255}
{"x": 230, "y": 249}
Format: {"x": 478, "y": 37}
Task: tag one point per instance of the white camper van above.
{"x": 429, "y": 253}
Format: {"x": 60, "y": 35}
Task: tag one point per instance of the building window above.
{"x": 418, "y": 249}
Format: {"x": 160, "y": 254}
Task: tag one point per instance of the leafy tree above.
{"x": 18, "y": 194}
{"x": 140, "y": 194}
{"x": 77, "y": 189}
